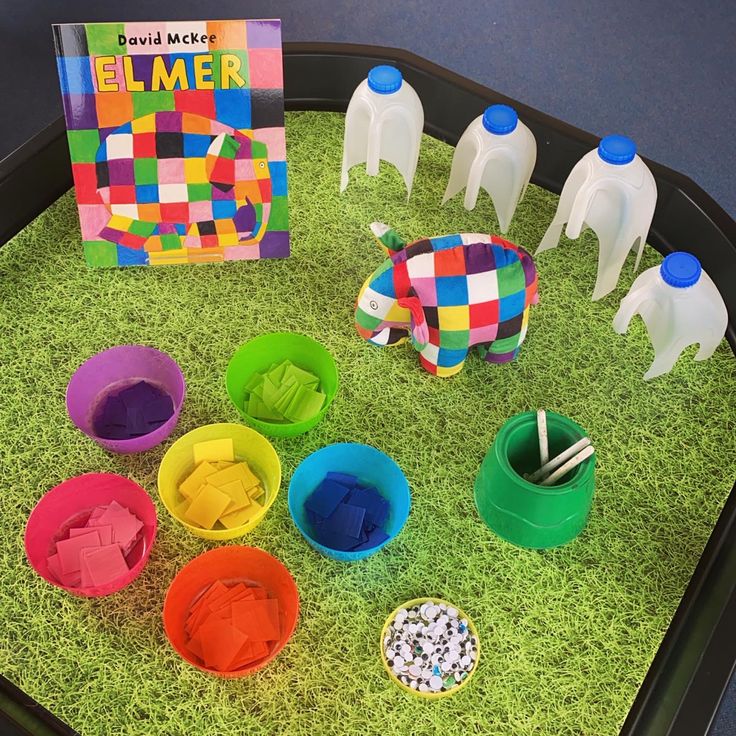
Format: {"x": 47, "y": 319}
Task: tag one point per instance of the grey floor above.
{"x": 659, "y": 71}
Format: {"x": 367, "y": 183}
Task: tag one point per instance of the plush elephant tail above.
{"x": 388, "y": 239}
{"x": 530, "y": 275}
{"x": 530, "y": 269}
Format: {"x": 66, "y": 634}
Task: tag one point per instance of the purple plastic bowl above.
{"x": 117, "y": 368}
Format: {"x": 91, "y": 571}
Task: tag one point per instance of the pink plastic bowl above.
{"x": 118, "y": 367}
{"x": 70, "y": 504}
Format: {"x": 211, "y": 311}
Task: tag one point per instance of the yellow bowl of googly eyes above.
{"x": 430, "y": 648}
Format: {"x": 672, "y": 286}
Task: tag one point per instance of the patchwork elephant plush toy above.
{"x": 449, "y": 293}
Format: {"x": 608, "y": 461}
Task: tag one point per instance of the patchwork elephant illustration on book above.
{"x": 174, "y": 180}
{"x": 449, "y": 293}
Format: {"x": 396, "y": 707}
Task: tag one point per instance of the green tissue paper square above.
{"x": 305, "y": 404}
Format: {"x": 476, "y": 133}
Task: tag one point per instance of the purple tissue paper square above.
{"x": 113, "y": 412}
{"x": 138, "y": 394}
{"x": 137, "y": 424}
{"x": 158, "y": 410}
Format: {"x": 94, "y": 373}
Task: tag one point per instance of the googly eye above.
{"x": 373, "y": 304}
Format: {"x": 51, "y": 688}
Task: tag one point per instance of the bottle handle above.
{"x": 467, "y": 147}
{"x": 373, "y": 149}
{"x": 580, "y": 208}
{"x": 475, "y": 176}
{"x": 629, "y": 306}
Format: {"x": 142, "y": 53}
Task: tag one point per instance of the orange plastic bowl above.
{"x": 231, "y": 565}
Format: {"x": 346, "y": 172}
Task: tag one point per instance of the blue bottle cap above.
{"x": 385, "y": 79}
{"x": 500, "y": 119}
{"x": 617, "y": 149}
{"x": 680, "y": 270}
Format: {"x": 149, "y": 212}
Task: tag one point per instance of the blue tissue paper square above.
{"x": 344, "y": 479}
{"x": 326, "y": 498}
{"x": 346, "y": 519}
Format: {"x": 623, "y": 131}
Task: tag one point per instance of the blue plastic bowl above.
{"x": 372, "y": 467}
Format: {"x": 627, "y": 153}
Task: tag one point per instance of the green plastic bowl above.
{"x": 257, "y": 356}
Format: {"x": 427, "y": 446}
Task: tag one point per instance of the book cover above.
{"x": 176, "y": 135}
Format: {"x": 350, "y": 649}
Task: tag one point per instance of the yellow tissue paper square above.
{"x": 238, "y": 471}
{"x": 191, "y": 485}
{"x": 239, "y": 497}
{"x": 214, "y": 450}
{"x": 238, "y": 518}
{"x": 181, "y": 509}
{"x": 207, "y": 507}
{"x": 256, "y": 492}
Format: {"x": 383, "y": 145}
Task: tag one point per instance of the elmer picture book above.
{"x": 176, "y": 135}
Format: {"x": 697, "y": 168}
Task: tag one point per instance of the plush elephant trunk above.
{"x": 364, "y": 332}
{"x": 378, "y": 316}
{"x": 379, "y": 334}
{"x": 387, "y": 336}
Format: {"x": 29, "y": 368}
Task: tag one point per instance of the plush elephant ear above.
{"x": 419, "y": 327}
{"x": 388, "y": 239}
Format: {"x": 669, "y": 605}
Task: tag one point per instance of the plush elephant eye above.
{"x": 262, "y": 164}
{"x": 373, "y": 304}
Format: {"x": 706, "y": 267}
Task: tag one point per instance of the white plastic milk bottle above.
{"x": 496, "y": 152}
{"x": 680, "y": 306}
{"x": 611, "y": 191}
{"x": 384, "y": 121}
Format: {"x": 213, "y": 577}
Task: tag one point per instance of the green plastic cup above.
{"x": 257, "y": 356}
{"x": 523, "y": 513}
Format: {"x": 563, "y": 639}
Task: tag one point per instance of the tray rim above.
{"x": 693, "y": 665}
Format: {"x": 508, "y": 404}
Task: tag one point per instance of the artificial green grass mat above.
{"x": 567, "y": 635}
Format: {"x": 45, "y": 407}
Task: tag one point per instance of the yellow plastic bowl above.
{"x": 248, "y": 445}
{"x": 418, "y": 602}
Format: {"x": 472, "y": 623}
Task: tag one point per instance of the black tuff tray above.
{"x": 691, "y": 670}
